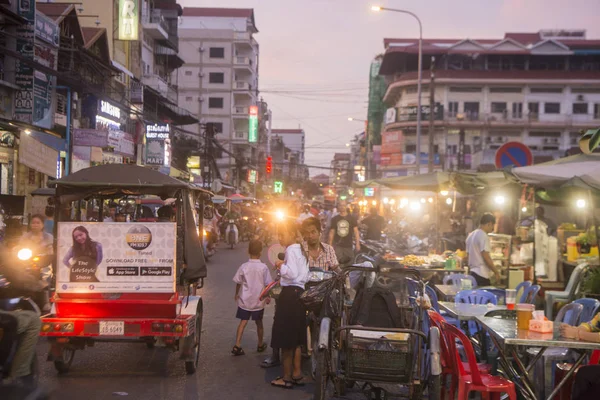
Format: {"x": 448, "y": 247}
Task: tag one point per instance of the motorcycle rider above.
{"x": 320, "y": 255}
{"x": 375, "y": 224}
{"x": 28, "y": 322}
{"x": 343, "y": 231}
{"x": 234, "y": 215}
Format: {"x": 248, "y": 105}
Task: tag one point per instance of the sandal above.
{"x": 261, "y": 348}
{"x": 237, "y": 351}
{"x": 270, "y": 363}
{"x": 300, "y": 381}
{"x": 285, "y": 385}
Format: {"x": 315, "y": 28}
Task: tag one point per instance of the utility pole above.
{"x": 209, "y": 134}
{"x": 431, "y": 115}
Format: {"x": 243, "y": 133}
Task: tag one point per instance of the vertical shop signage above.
{"x": 44, "y": 85}
{"x": 251, "y": 176}
{"x": 24, "y": 72}
{"x": 157, "y": 144}
{"x": 128, "y": 19}
{"x": 278, "y": 187}
{"x": 253, "y": 125}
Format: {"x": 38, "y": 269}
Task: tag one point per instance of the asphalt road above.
{"x": 111, "y": 370}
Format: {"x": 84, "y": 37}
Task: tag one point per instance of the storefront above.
{"x": 158, "y": 145}
{"x": 95, "y": 147}
{"x": 7, "y": 154}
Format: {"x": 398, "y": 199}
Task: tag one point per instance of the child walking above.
{"x": 251, "y": 278}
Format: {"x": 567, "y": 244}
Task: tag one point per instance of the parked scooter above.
{"x": 232, "y": 233}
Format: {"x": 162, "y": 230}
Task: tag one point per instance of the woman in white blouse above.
{"x": 289, "y": 327}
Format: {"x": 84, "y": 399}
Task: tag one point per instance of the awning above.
{"x": 122, "y": 69}
{"x": 54, "y": 142}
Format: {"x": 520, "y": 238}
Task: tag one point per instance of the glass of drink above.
{"x": 524, "y": 315}
{"x": 466, "y": 284}
{"x": 511, "y": 299}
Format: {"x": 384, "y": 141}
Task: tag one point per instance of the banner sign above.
{"x": 106, "y": 257}
{"x": 37, "y": 155}
{"x": 129, "y": 11}
{"x": 157, "y": 136}
{"x": 410, "y": 113}
{"x": 90, "y": 137}
{"x": 253, "y": 125}
{"x": 23, "y": 72}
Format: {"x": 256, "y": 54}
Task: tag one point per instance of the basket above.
{"x": 383, "y": 360}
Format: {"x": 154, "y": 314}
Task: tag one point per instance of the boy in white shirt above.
{"x": 251, "y": 278}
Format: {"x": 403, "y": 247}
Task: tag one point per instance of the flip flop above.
{"x": 270, "y": 363}
{"x": 285, "y": 385}
{"x": 300, "y": 381}
{"x": 261, "y": 348}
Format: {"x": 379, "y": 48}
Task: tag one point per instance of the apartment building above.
{"x": 219, "y": 79}
{"x": 293, "y": 139}
{"x": 540, "y": 89}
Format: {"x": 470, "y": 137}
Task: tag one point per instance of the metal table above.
{"x": 447, "y": 292}
{"x": 506, "y": 337}
{"x": 466, "y": 311}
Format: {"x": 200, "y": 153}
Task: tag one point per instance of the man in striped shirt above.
{"x": 320, "y": 255}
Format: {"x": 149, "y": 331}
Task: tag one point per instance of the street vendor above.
{"x": 478, "y": 248}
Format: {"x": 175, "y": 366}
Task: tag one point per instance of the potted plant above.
{"x": 583, "y": 243}
{"x": 590, "y": 285}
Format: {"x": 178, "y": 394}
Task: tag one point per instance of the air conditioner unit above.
{"x": 200, "y": 74}
{"x": 580, "y": 97}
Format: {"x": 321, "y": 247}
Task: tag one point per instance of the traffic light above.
{"x": 269, "y": 165}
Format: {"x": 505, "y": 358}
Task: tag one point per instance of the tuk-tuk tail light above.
{"x": 178, "y": 328}
{"x": 167, "y": 327}
{"x": 46, "y": 327}
{"x": 157, "y": 327}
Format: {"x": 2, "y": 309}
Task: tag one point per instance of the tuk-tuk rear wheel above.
{"x": 64, "y": 365}
{"x": 192, "y": 366}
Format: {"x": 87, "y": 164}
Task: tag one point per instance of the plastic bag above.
{"x": 313, "y": 298}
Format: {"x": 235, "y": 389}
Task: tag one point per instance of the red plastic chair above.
{"x": 595, "y": 358}
{"x": 474, "y": 381}
{"x": 437, "y": 320}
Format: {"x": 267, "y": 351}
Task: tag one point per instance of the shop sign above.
{"x": 251, "y": 176}
{"x": 157, "y": 144}
{"x": 37, "y": 155}
{"x": 121, "y": 142}
{"x": 81, "y": 158}
{"x": 7, "y": 139}
{"x": 111, "y": 158}
{"x": 253, "y": 125}
{"x": 46, "y": 29}
{"x": 90, "y": 137}
{"x": 128, "y": 19}
{"x": 390, "y": 116}
{"x": 410, "y": 113}
{"x": 108, "y": 111}
{"x": 44, "y": 85}
{"x": 24, "y": 72}
{"x": 411, "y": 159}
{"x": 139, "y": 260}
{"x": 4, "y": 157}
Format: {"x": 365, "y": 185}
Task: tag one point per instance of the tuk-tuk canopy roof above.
{"x": 112, "y": 179}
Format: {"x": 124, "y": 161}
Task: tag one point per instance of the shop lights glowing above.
{"x": 392, "y": 201}
{"x": 580, "y": 203}
{"x": 524, "y": 209}
{"x": 374, "y": 202}
{"x": 499, "y": 200}
{"x": 386, "y": 200}
{"x": 423, "y": 200}
{"x": 415, "y": 206}
{"x": 430, "y": 199}
{"x": 444, "y": 193}
{"x": 449, "y": 201}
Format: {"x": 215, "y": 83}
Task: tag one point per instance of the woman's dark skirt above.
{"x": 289, "y": 327}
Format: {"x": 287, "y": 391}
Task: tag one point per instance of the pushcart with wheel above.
{"x": 403, "y": 360}
{"x": 125, "y": 280}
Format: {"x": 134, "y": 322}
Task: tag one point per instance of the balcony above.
{"x": 241, "y": 36}
{"x": 161, "y": 86}
{"x": 241, "y": 86}
{"x": 155, "y": 26}
{"x": 240, "y": 112}
{"x": 239, "y": 136}
{"x": 243, "y": 61}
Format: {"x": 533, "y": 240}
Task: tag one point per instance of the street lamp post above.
{"x": 367, "y": 145}
{"x": 419, "y": 75}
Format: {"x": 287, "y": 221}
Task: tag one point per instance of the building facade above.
{"x": 540, "y": 89}
{"x": 293, "y": 139}
{"x": 218, "y": 82}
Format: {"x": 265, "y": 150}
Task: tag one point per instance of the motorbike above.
{"x": 39, "y": 266}
{"x": 232, "y": 233}
{"x": 9, "y": 342}
{"x": 264, "y": 231}
{"x": 209, "y": 241}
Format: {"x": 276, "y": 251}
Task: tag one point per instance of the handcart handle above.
{"x": 392, "y": 330}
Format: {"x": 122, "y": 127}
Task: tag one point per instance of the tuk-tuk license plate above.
{"x": 112, "y": 328}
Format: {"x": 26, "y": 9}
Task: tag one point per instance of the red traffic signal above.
{"x": 269, "y": 165}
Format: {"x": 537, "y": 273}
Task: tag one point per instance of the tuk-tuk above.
{"x": 117, "y": 279}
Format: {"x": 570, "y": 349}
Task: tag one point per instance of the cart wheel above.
{"x": 434, "y": 387}
{"x": 63, "y": 366}
{"x": 322, "y": 386}
{"x": 192, "y": 366}
{"x": 384, "y": 281}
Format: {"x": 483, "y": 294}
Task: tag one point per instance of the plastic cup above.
{"x": 524, "y": 315}
{"x": 511, "y": 299}
{"x": 466, "y": 284}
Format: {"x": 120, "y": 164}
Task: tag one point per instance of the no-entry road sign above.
{"x": 513, "y": 154}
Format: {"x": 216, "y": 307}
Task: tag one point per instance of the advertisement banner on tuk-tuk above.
{"x": 105, "y": 257}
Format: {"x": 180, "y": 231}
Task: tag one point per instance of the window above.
{"x": 218, "y": 126}
{"x": 580, "y": 108}
{"x": 551, "y": 108}
{"x": 217, "y": 52}
{"x": 597, "y": 111}
{"x": 498, "y": 107}
{"x": 411, "y": 148}
{"x": 215, "y": 102}
{"x": 546, "y": 90}
{"x": 506, "y": 90}
{"x": 472, "y": 110}
{"x": 239, "y": 135}
{"x": 189, "y": 98}
{"x": 452, "y": 108}
{"x": 517, "y": 110}
{"x": 465, "y": 89}
{"x": 188, "y": 73}
{"x": 216, "y": 77}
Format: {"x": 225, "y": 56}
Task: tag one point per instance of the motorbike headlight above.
{"x": 24, "y": 254}
{"x": 315, "y": 276}
{"x": 280, "y": 215}
{"x": 231, "y": 221}
{"x": 204, "y": 232}
{"x": 245, "y": 218}
{"x": 260, "y": 219}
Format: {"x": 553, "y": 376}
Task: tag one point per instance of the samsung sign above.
{"x": 129, "y": 11}
{"x": 108, "y": 110}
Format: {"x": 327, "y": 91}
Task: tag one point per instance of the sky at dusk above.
{"x": 315, "y": 54}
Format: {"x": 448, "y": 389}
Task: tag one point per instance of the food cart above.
{"x": 118, "y": 281}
